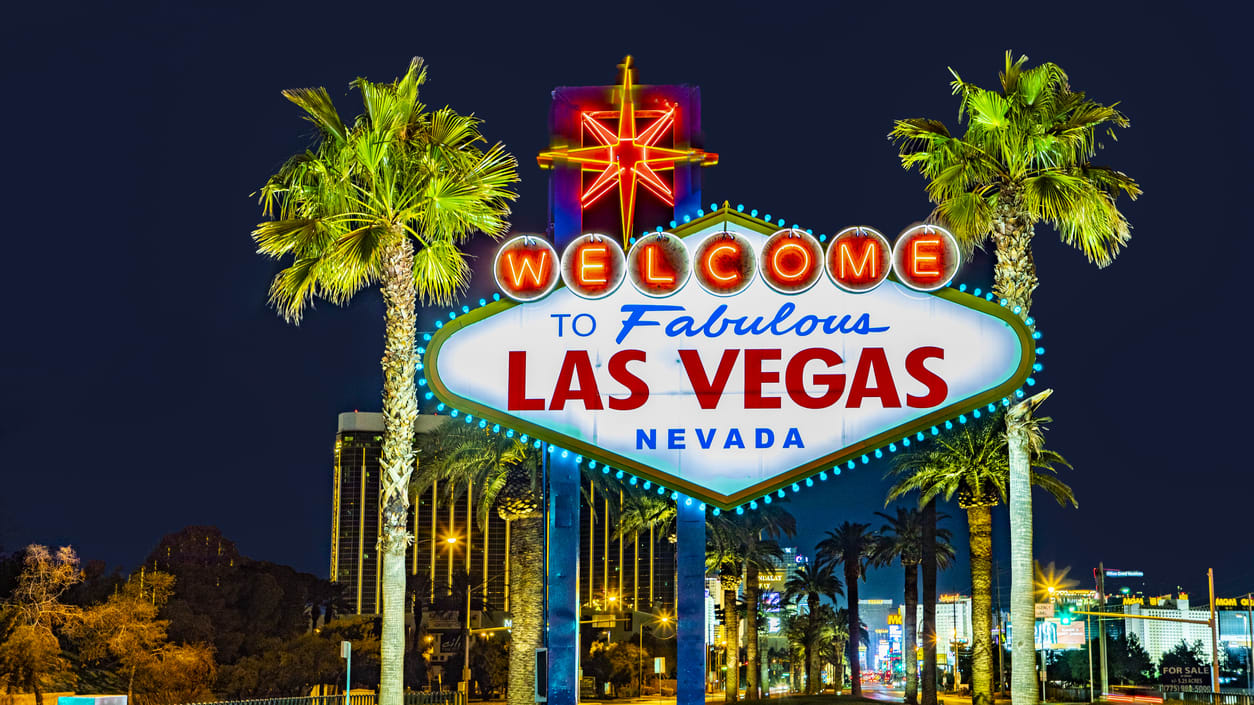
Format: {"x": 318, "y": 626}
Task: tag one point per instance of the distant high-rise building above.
{"x": 448, "y": 543}
{"x": 635, "y": 573}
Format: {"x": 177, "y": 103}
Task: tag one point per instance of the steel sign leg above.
{"x": 690, "y": 546}
{"x": 563, "y": 580}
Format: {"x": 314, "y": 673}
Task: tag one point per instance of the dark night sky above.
{"x": 146, "y": 386}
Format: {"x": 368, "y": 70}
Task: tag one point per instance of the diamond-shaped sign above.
{"x": 727, "y": 398}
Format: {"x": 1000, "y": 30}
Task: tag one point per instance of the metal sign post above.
{"x": 346, "y": 653}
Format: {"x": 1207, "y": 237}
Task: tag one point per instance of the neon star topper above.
{"x": 627, "y": 159}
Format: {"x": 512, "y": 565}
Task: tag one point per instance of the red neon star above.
{"x": 627, "y": 159}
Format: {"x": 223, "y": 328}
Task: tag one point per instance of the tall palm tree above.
{"x": 386, "y": 200}
{"x": 810, "y": 584}
{"x": 972, "y": 463}
{"x": 506, "y": 478}
{"x": 835, "y": 640}
{"x": 853, "y": 546}
{"x": 759, "y": 554}
{"x": 901, "y": 539}
{"x": 749, "y": 539}
{"x": 724, "y": 556}
{"x": 1024, "y": 158}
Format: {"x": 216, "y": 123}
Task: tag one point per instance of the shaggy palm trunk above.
{"x": 526, "y": 590}
{"x": 852, "y": 564}
{"x": 1014, "y": 279}
{"x": 731, "y": 649}
{"x": 909, "y": 656}
{"x": 980, "y": 527}
{"x": 839, "y": 667}
{"x": 811, "y": 648}
{"x": 754, "y": 672}
{"x": 1023, "y": 684}
{"x": 400, "y": 410}
{"x": 929, "y": 603}
{"x": 814, "y": 678}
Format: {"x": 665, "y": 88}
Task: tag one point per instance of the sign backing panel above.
{"x": 729, "y": 398}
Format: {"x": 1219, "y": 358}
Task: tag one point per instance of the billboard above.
{"x": 727, "y": 360}
{"x": 1052, "y": 634}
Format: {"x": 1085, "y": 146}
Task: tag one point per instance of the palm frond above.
{"x": 319, "y": 110}
{"x": 294, "y": 288}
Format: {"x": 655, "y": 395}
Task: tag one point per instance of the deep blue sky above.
{"x": 146, "y": 386}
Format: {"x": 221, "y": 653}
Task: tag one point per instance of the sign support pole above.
{"x": 1101, "y": 596}
{"x": 690, "y": 564}
{"x": 1214, "y": 637}
{"x": 1249, "y": 624}
{"x": 562, "y": 636}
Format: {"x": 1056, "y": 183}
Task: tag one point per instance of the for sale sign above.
{"x": 1177, "y": 677}
{"x": 725, "y": 362}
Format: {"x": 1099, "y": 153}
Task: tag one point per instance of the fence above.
{"x": 1234, "y": 697}
{"x": 440, "y": 698}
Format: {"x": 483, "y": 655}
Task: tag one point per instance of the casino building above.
{"x": 637, "y": 573}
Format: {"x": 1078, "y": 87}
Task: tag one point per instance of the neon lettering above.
{"x": 777, "y": 265}
{"x": 530, "y": 269}
{"x": 592, "y": 273}
{"x": 916, "y": 257}
{"x": 651, "y": 273}
{"x": 725, "y": 277}
{"x": 870, "y": 258}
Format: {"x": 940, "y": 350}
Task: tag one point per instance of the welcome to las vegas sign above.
{"x": 727, "y": 360}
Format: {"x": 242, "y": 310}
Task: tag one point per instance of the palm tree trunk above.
{"x": 929, "y": 603}
{"x": 400, "y": 410}
{"x": 852, "y": 563}
{"x": 813, "y": 677}
{"x": 1014, "y": 279}
{"x": 839, "y": 667}
{"x": 980, "y": 527}
{"x": 753, "y": 675}
{"x": 526, "y": 591}
{"x": 909, "y": 656}
{"x": 1023, "y": 686}
{"x": 731, "y": 648}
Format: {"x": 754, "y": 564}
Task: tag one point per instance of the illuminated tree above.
{"x": 853, "y": 546}
{"x": 902, "y": 539}
{"x": 30, "y": 654}
{"x": 504, "y": 477}
{"x": 971, "y": 462}
{"x": 386, "y": 200}
{"x": 125, "y": 627}
{"x": 1023, "y": 159}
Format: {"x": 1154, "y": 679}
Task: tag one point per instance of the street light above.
{"x": 664, "y": 618}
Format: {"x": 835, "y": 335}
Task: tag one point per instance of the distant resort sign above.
{"x": 726, "y": 360}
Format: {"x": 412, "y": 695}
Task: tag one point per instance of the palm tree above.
{"x": 902, "y": 539}
{"x": 835, "y": 639}
{"x": 853, "y": 546}
{"x": 386, "y": 200}
{"x": 972, "y": 463}
{"x": 1024, "y": 158}
{"x": 504, "y": 477}
{"x": 809, "y": 584}
{"x": 740, "y": 541}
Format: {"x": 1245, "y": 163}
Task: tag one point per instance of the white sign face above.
{"x": 728, "y": 398}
